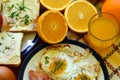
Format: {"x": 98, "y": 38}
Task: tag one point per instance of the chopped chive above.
{"x": 22, "y": 7}
{"x": 6, "y": 47}
{"x": 46, "y": 60}
{"x": 10, "y": 7}
{"x": 26, "y": 19}
{"x": 2, "y": 38}
{"x": 13, "y": 38}
{"x": 9, "y": 35}
{"x": 12, "y": 15}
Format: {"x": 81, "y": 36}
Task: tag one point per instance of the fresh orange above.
{"x": 78, "y": 14}
{"x": 55, "y": 4}
{"x": 52, "y": 27}
{"x": 113, "y": 7}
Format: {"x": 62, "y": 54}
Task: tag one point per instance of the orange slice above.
{"x": 52, "y": 27}
{"x": 55, "y": 4}
{"x": 78, "y": 14}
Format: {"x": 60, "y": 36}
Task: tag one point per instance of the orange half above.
{"x": 78, "y": 14}
{"x": 52, "y": 27}
{"x": 55, "y": 4}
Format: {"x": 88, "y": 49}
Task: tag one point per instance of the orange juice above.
{"x": 103, "y": 28}
{"x": 102, "y": 32}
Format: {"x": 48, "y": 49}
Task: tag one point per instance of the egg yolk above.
{"x": 57, "y": 66}
{"x": 82, "y": 77}
{"x": 78, "y": 77}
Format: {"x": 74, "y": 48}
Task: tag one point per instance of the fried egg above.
{"x": 61, "y": 66}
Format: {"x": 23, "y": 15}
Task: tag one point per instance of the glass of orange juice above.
{"x": 103, "y": 29}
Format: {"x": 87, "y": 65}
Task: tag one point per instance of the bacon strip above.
{"x": 38, "y": 75}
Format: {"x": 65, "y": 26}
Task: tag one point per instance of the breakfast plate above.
{"x": 32, "y": 60}
{"x": 29, "y": 41}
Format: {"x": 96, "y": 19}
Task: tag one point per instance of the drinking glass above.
{"x": 103, "y": 29}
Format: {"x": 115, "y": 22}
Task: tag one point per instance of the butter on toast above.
{"x": 10, "y": 48}
{"x": 20, "y": 15}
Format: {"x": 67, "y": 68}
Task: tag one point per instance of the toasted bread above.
{"x": 10, "y": 48}
{"x": 20, "y": 15}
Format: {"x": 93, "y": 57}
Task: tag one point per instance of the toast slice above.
{"x": 10, "y": 48}
{"x": 20, "y": 15}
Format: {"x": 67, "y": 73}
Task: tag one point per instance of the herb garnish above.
{"x": 84, "y": 76}
{"x": 10, "y": 8}
{"x": 26, "y": 19}
{"x": 22, "y": 7}
{"x": 46, "y": 59}
{"x": 19, "y": 9}
{"x": 2, "y": 38}
{"x": 13, "y": 14}
{"x": 7, "y": 47}
{"x": 0, "y": 43}
{"x": 13, "y": 38}
{"x": 58, "y": 65}
{"x": 10, "y": 36}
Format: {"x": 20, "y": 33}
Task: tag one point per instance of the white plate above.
{"x": 34, "y": 57}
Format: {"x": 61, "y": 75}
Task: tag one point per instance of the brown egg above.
{"x": 6, "y": 73}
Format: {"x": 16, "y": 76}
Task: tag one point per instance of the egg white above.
{"x": 74, "y": 66}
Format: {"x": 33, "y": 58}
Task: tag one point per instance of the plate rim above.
{"x": 42, "y": 46}
{"x": 29, "y": 47}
